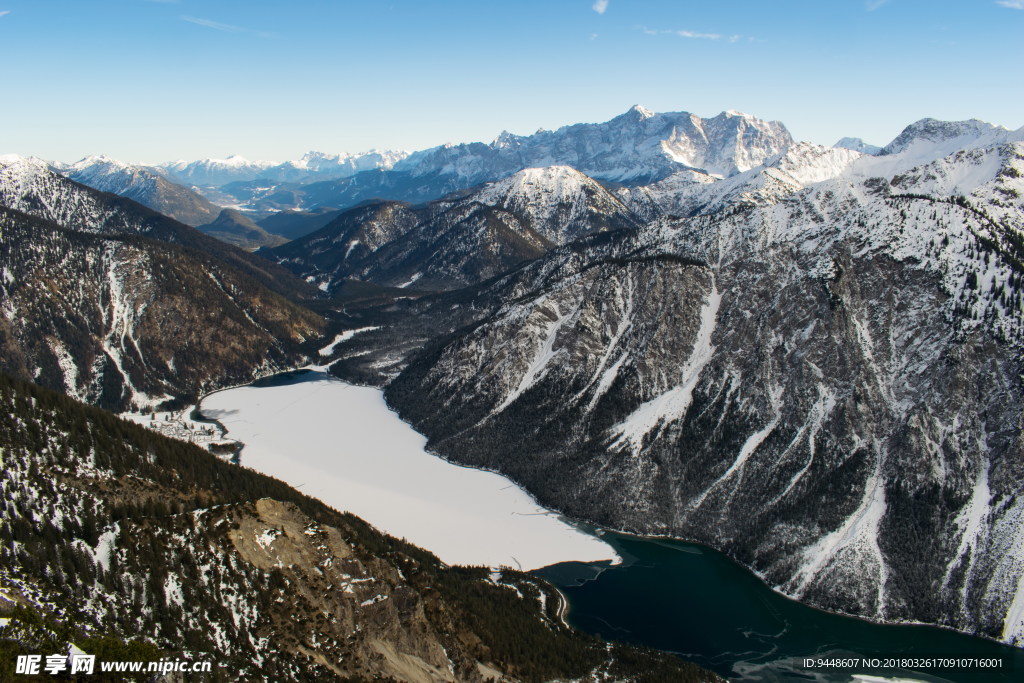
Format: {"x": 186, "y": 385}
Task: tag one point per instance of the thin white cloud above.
{"x": 1012, "y": 4}
{"x": 226, "y": 28}
{"x": 872, "y": 5}
{"x": 214, "y": 24}
{"x": 600, "y": 6}
{"x": 5, "y": 12}
{"x": 695, "y": 35}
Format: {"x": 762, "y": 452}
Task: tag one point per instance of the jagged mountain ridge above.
{"x": 718, "y": 377}
{"x": 690, "y": 193}
{"x": 147, "y": 186}
{"x": 636, "y": 147}
{"x": 118, "y": 532}
{"x": 459, "y": 240}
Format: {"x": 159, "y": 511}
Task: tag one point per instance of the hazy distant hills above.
{"x": 311, "y": 166}
{"x": 858, "y": 145}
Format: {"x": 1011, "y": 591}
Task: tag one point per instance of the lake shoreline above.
{"x": 694, "y": 601}
{"x": 378, "y": 431}
{"x": 567, "y": 609}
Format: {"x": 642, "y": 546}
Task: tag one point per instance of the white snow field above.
{"x": 342, "y": 444}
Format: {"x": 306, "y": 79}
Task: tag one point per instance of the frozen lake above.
{"x": 342, "y": 444}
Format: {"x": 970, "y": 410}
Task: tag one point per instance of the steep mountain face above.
{"x": 32, "y": 187}
{"x": 236, "y": 228}
{"x": 111, "y": 531}
{"x": 637, "y": 147}
{"x": 459, "y": 240}
{"x": 121, "y": 306}
{"x": 147, "y": 186}
{"x": 121, "y": 320}
{"x": 826, "y": 383}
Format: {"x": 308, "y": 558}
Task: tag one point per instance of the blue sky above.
{"x": 154, "y": 80}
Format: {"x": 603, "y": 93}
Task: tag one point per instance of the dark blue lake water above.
{"x": 699, "y": 604}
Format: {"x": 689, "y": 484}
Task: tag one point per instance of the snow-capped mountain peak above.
{"x": 959, "y": 134}
{"x": 540, "y": 191}
{"x": 18, "y": 174}
{"x": 99, "y": 164}
{"x": 642, "y": 111}
{"x": 238, "y": 160}
{"x": 806, "y": 163}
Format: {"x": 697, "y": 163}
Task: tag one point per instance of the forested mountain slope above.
{"x": 111, "y": 532}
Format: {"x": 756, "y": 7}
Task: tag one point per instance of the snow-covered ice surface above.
{"x": 342, "y": 444}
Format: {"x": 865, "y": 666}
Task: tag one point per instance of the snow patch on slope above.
{"x": 344, "y": 337}
{"x": 541, "y": 358}
{"x": 673, "y": 404}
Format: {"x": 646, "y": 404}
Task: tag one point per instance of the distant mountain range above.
{"x": 311, "y": 166}
{"x": 636, "y": 147}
